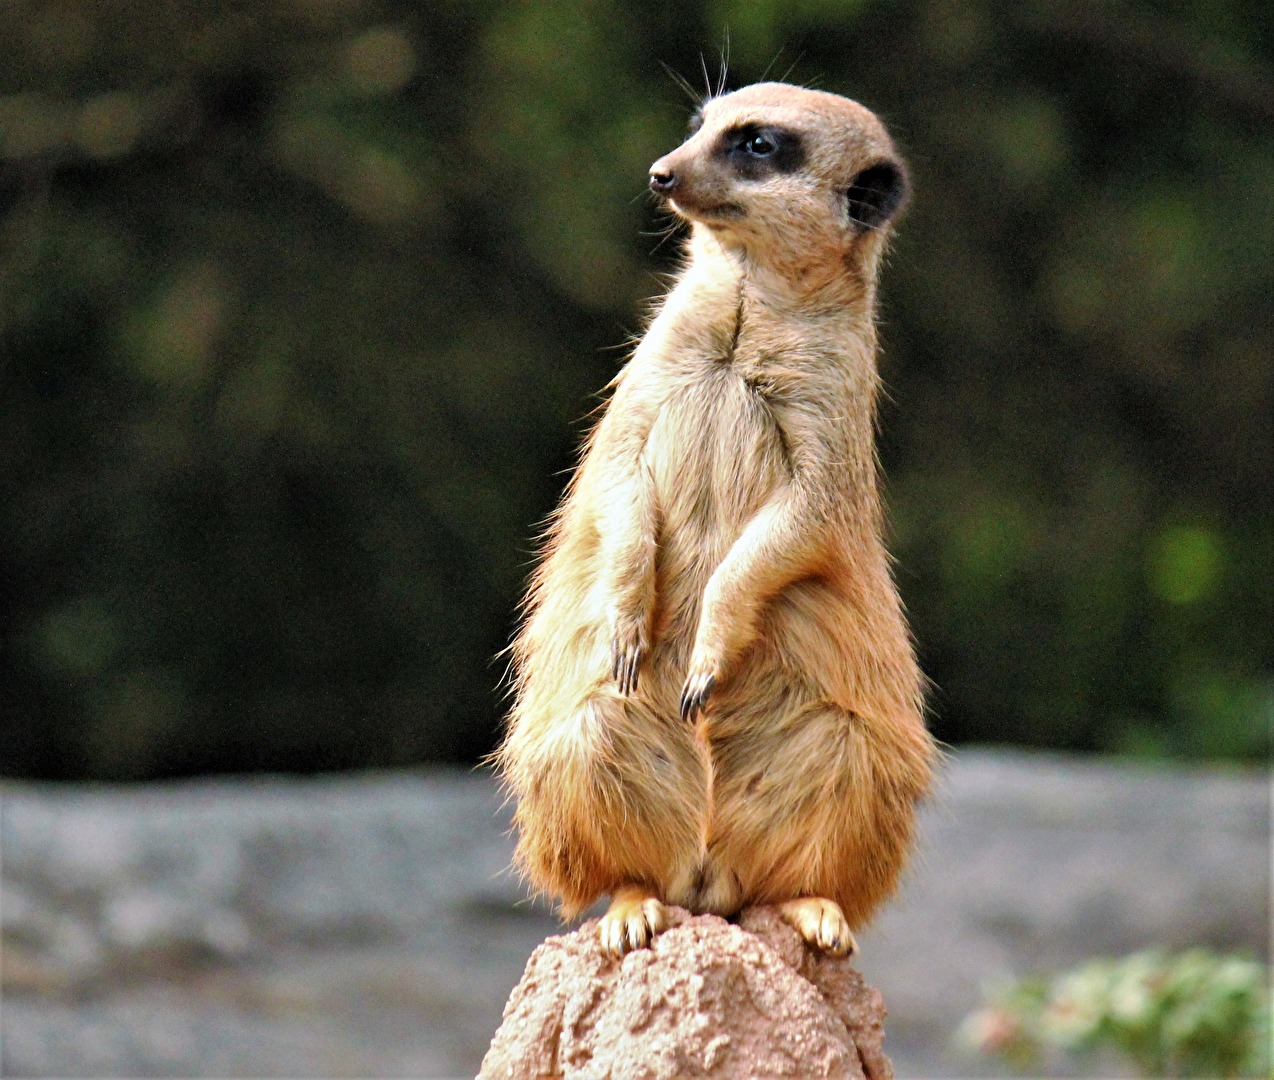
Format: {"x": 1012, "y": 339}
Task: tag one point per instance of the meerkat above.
{"x": 716, "y": 697}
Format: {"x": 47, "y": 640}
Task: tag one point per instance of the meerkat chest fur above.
{"x": 716, "y": 449}
{"x": 739, "y": 379}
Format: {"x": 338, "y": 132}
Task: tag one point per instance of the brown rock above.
{"x": 708, "y": 999}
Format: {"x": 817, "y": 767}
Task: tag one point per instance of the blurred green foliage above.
{"x": 1190, "y": 1014}
{"x": 304, "y": 306}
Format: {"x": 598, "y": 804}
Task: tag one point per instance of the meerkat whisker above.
{"x": 725, "y": 63}
{"x": 707, "y": 79}
{"x": 683, "y": 84}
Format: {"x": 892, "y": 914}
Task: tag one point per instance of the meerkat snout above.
{"x": 662, "y": 181}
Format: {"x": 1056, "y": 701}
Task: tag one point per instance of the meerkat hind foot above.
{"x": 631, "y": 922}
{"x": 821, "y": 923}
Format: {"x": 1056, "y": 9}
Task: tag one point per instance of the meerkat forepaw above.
{"x": 627, "y": 649}
{"x": 821, "y": 923}
{"x": 631, "y": 922}
{"x": 696, "y": 692}
{"x": 625, "y": 664}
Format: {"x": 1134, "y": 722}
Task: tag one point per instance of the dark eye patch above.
{"x": 757, "y": 151}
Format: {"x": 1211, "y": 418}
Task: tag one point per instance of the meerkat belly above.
{"x": 716, "y": 456}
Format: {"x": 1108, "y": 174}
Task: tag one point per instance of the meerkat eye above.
{"x": 758, "y": 152}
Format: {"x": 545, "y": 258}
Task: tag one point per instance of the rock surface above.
{"x": 708, "y": 999}
{"x": 365, "y": 925}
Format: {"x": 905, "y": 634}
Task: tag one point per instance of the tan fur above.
{"x": 724, "y": 530}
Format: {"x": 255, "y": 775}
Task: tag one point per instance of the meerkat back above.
{"x": 716, "y": 697}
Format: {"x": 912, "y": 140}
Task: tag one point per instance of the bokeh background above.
{"x": 304, "y": 305}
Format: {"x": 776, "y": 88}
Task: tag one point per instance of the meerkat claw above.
{"x": 631, "y": 922}
{"x": 821, "y": 923}
{"x": 694, "y": 697}
{"x": 625, "y": 664}
{"x": 629, "y": 682}
{"x": 626, "y": 652}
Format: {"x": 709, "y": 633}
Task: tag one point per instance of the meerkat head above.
{"x": 786, "y": 175}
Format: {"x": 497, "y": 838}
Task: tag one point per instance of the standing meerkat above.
{"x": 717, "y": 702}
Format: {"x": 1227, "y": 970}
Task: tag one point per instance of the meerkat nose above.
{"x": 662, "y": 181}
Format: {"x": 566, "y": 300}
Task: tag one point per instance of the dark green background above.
{"x": 305, "y": 304}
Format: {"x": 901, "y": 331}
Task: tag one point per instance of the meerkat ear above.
{"x": 877, "y": 193}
